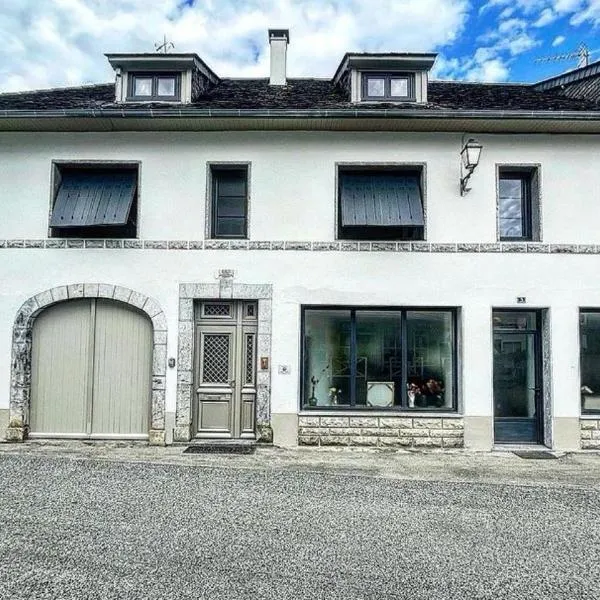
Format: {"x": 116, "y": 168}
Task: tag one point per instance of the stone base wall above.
{"x": 381, "y": 432}
{"x": 590, "y": 434}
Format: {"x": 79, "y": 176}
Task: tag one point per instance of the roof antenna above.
{"x": 165, "y": 46}
{"x": 582, "y": 54}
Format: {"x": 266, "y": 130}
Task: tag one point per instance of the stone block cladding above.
{"x": 381, "y": 432}
{"x": 590, "y": 434}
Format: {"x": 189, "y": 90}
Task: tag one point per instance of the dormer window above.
{"x": 391, "y": 77}
{"x": 160, "y": 77}
{"x": 399, "y": 87}
{"x": 155, "y": 86}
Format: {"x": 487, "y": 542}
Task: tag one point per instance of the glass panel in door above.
{"x": 216, "y": 380}
{"x": 517, "y": 397}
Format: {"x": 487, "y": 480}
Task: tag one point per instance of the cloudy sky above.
{"x": 52, "y": 43}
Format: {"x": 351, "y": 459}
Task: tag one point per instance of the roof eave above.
{"x": 345, "y": 113}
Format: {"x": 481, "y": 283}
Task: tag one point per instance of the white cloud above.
{"x": 546, "y": 17}
{"x": 589, "y": 13}
{"x": 483, "y": 65}
{"x": 558, "y": 40}
{"x": 61, "y": 42}
{"x": 511, "y": 26}
{"x": 491, "y": 70}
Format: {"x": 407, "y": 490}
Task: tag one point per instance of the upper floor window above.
{"x": 380, "y": 203}
{"x": 229, "y": 201}
{"x": 518, "y": 204}
{"x": 94, "y": 201}
{"x": 154, "y": 86}
{"x": 388, "y": 86}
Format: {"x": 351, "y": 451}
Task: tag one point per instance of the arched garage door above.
{"x": 91, "y": 370}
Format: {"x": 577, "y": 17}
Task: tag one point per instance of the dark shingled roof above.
{"x": 312, "y": 94}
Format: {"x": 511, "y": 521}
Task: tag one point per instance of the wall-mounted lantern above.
{"x": 469, "y": 160}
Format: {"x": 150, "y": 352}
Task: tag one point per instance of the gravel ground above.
{"x": 120, "y": 522}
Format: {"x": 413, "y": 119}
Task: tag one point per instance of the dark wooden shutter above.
{"x": 230, "y": 204}
{"x": 94, "y": 197}
{"x": 381, "y": 199}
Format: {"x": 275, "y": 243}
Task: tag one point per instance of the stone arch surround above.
{"x": 226, "y": 288}
{"x": 20, "y": 381}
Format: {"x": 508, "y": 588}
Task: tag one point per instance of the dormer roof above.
{"x": 188, "y": 77}
{"x": 149, "y": 61}
{"x": 388, "y": 61}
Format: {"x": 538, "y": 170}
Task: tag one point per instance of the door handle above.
{"x": 232, "y": 383}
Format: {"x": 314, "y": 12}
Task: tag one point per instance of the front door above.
{"x": 517, "y": 377}
{"x": 225, "y": 371}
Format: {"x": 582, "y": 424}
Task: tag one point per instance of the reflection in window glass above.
{"x": 589, "y": 343}
{"x": 166, "y": 86}
{"x": 510, "y": 208}
{"x": 327, "y": 357}
{"x": 378, "y": 358}
{"x": 399, "y": 87}
{"x": 142, "y": 86}
{"x": 375, "y": 87}
{"x": 512, "y": 319}
{"x": 430, "y": 359}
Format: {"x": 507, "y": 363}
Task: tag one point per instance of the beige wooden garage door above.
{"x": 91, "y": 370}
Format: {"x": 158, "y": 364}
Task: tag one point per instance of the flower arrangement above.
{"x": 334, "y": 395}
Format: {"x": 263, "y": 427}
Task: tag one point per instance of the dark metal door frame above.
{"x": 538, "y": 368}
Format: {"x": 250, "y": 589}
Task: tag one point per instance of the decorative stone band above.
{"x": 226, "y": 288}
{"x": 336, "y": 246}
{"x": 590, "y": 434}
{"x": 382, "y": 432}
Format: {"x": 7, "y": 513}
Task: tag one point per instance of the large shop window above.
{"x": 589, "y": 343}
{"x": 392, "y": 359}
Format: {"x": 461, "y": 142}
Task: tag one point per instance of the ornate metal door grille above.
{"x": 250, "y": 359}
{"x": 215, "y": 358}
{"x": 217, "y": 310}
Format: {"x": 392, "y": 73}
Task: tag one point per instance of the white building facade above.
{"x": 306, "y": 274}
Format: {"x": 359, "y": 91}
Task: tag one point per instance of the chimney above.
{"x": 278, "y": 39}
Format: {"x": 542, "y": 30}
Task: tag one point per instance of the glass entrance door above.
{"x": 517, "y": 377}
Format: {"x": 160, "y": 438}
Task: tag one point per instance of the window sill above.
{"x": 380, "y": 413}
{"x": 153, "y": 101}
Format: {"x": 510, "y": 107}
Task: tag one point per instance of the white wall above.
{"x": 293, "y": 180}
{"x": 293, "y": 198}
{"x": 474, "y": 282}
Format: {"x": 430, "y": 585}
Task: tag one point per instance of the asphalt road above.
{"x": 85, "y": 527}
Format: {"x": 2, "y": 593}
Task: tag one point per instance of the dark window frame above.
{"x": 584, "y": 411}
{"x": 128, "y": 231}
{"x": 214, "y": 169}
{"x": 403, "y": 407}
{"x": 378, "y": 232}
{"x": 529, "y": 201}
{"x": 387, "y": 95}
{"x": 155, "y": 76}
